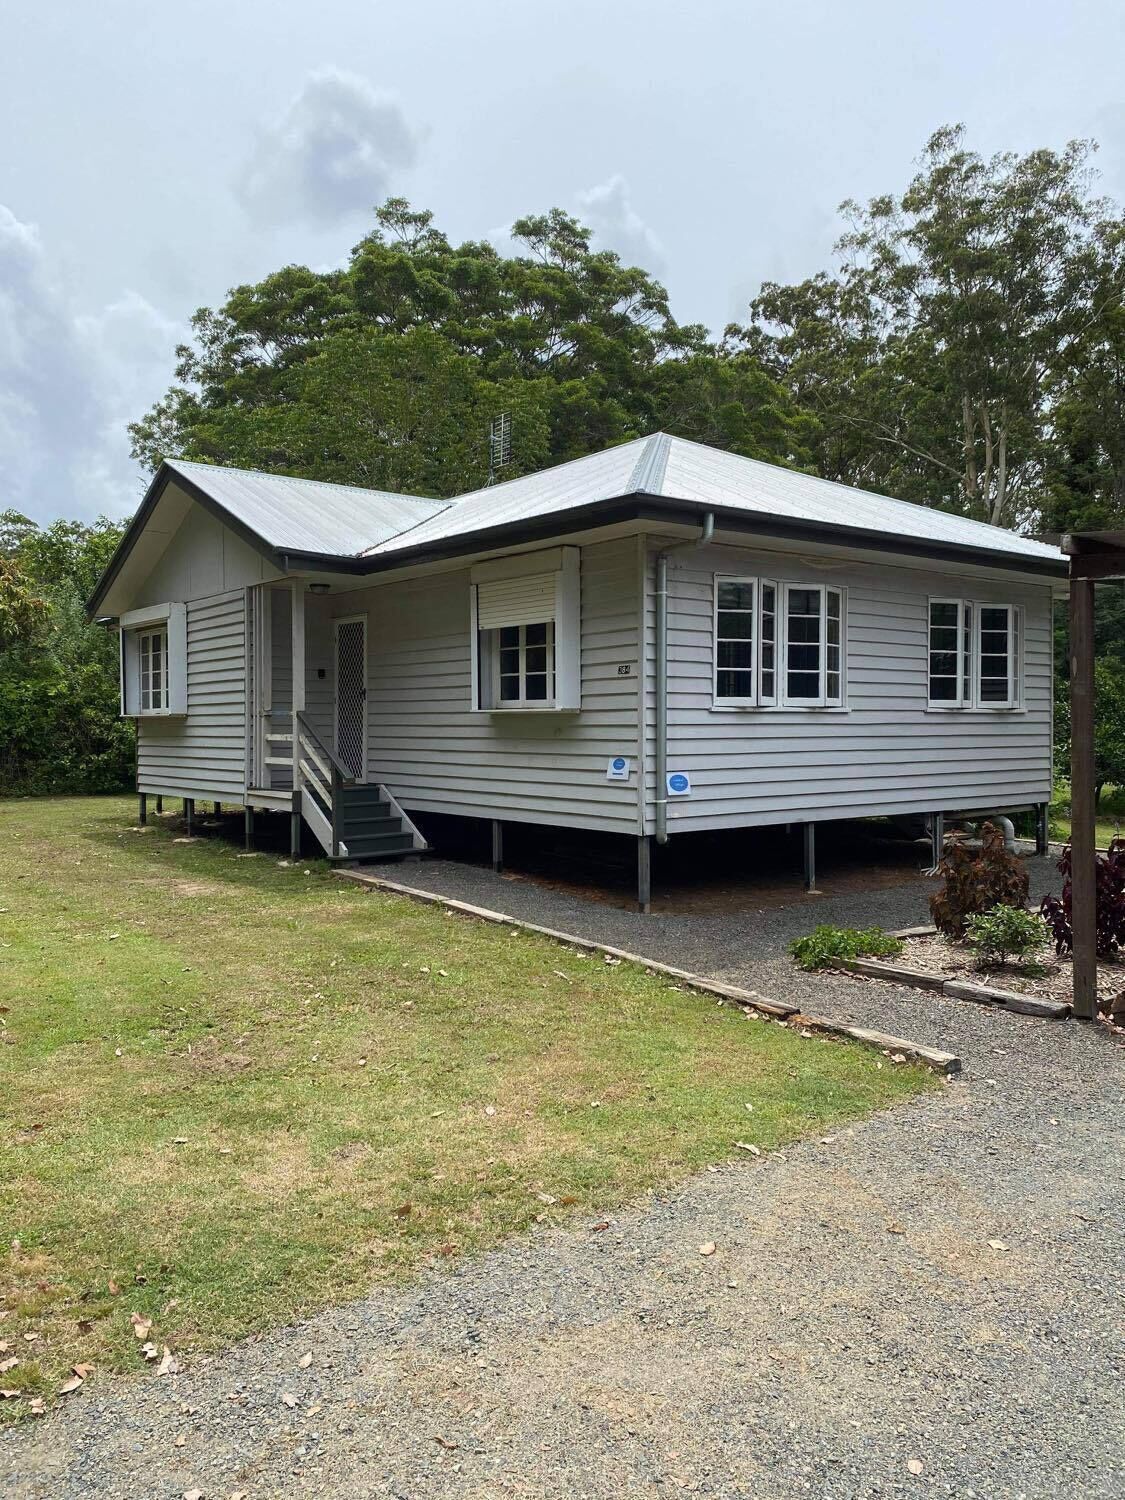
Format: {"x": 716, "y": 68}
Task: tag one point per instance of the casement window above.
{"x": 997, "y": 656}
{"x": 152, "y": 646}
{"x": 525, "y": 632}
{"x": 974, "y": 654}
{"x": 154, "y": 661}
{"x": 525, "y": 664}
{"x": 814, "y": 645}
{"x": 778, "y": 644}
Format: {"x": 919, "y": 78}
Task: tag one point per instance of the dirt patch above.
{"x": 1049, "y": 978}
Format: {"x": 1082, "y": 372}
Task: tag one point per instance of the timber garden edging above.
{"x": 947, "y": 1063}
{"x": 956, "y": 989}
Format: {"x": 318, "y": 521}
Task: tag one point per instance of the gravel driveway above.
{"x": 853, "y": 1321}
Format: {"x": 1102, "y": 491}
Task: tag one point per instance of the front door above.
{"x": 351, "y": 694}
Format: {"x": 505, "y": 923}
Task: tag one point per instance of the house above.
{"x": 656, "y": 639}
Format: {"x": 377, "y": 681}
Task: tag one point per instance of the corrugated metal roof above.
{"x": 307, "y": 515}
{"x": 673, "y": 468}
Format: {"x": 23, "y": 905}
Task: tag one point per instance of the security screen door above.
{"x": 351, "y": 694}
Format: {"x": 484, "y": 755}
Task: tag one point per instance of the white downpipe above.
{"x": 662, "y": 556}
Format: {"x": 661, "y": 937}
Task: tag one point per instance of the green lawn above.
{"x": 234, "y": 1090}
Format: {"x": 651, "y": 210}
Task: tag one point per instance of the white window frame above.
{"x": 561, "y": 566}
{"x": 962, "y": 672}
{"x": 778, "y": 697}
{"x": 169, "y": 623}
{"x": 152, "y": 648}
{"x": 824, "y": 699}
{"x": 1015, "y": 658}
{"x": 969, "y": 657}
{"x": 522, "y": 701}
{"x": 737, "y": 700}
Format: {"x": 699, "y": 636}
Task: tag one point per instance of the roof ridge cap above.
{"x": 648, "y": 473}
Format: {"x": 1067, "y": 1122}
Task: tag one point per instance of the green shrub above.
{"x": 1005, "y": 932}
{"x": 825, "y": 944}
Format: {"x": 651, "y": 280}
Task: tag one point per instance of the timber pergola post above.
{"x": 1093, "y": 556}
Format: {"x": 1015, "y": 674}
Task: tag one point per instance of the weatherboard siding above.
{"x": 203, "y": 753}
{"x": 886, "y": 752}
{"x": 436, "y": 755}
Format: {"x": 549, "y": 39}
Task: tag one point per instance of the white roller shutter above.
{"x": 529, "y": 600}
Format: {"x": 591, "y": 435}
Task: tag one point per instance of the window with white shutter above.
{"x": 525, "y": 632}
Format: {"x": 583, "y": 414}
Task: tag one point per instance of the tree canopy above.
{"x": 967, "y": 350}
{"x": 59, "y": 724}
{"x": 388, "y": 371}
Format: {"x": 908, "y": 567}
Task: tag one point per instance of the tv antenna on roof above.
{"x": 499, "y": 445}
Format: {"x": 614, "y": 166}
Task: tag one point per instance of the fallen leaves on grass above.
{"x": 141, "y": 1325}
{"x": 169, "y": 1364}
{"x": 748, "y": 1146}
{"x": 288, "y": 1399}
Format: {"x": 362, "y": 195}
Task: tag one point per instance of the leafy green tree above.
{"x": 387, "y": 372}
{"x": 59, "y": 724}
{"x": 930, "y": 354}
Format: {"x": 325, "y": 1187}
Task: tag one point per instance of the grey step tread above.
{"x": 375, "y": 840}
{"x": 402, "y": 843}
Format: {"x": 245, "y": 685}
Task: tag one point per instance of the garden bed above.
{"x": 1049, "y": 978}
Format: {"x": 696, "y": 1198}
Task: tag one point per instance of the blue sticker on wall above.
{"x": 618, "y": 768}
{"x": 679, "y": 784}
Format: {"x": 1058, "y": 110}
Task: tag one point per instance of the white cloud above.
{"x": 69, "y": 382}
{"x": 332, "y": 154}
{"x": 608, "y": 210}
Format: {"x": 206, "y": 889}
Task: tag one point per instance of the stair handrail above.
{"x": 341, "y": 776}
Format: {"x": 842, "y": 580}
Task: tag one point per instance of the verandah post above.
{"x": 1083, "y": 878}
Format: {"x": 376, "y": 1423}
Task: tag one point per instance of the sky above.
{"x": 153, "y": 156}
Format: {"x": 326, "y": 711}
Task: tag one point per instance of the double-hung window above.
{"x": 152, "y": 647}
{"x": 973, "y": 656}
{"x": 778, "y": 644}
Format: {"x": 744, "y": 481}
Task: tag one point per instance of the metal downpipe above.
{"x": 707, "y": 532}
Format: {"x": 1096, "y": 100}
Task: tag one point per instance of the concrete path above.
{"x": 854, "y": 1323}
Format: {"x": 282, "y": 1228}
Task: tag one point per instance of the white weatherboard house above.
{"x": 653, "y": 640}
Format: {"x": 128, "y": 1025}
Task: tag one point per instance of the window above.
{"x": 525, "y": 663}
{"x": 735, "y": 611}
{"x": 525, "y": 635}
{"x": 949, "y": 672}
{"x": 974, "y": 654}
{"x": 997, "y": 655}
{"x": 751, "y": 634}
{"x": 814, "y": 646}
{"x": 154, "y": 660}
{"x": 153, "y": 648}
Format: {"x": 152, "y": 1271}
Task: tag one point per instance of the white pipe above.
{"x": 707, "y": 532}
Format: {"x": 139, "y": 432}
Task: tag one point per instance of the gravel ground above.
{"x": 853, "y": 1320}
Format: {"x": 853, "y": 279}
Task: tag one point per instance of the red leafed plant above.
{"x": 1109, "y": 890}
{"x": 976, "y": 880}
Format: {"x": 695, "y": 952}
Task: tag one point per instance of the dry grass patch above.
{"x": 232, "y": 1092}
